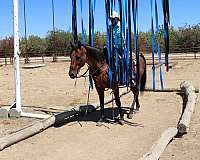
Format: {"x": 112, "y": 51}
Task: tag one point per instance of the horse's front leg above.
{"x": 118, "y": 103}
{"x": 101, "y": 99}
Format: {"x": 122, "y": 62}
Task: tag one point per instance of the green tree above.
{"x": 34, "y": 44}
{"x": 58, "y": 41}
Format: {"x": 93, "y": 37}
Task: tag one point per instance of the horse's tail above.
{"x": 144, "y": 75}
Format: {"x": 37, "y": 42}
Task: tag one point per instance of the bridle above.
{"x": 90, "y": 74}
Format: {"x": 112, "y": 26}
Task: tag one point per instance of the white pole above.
{"x": 17, "y": 112}
{"x": 16, "y": 55}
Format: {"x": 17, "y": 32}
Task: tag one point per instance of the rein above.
{"x": 91, "y": 74}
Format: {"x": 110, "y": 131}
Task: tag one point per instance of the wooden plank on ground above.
{"x": 32, "y": 66}
{"x": 158, "y": 148}
{"x": 189, "y": 90}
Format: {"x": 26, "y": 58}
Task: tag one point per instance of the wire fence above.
{"x": 177, "y": 52}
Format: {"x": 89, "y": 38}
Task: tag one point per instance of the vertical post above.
{"x": 9, "y": 51}
{"x": 16, "y": 55}
{"x": 195, "y": 47}
{"x": 5, "y": 50}
{"x": 5, "y": 55}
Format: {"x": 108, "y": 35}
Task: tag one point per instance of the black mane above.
{"x": 94, "y": 52}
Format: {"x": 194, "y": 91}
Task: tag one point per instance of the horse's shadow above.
{"x": 90, "y": 114}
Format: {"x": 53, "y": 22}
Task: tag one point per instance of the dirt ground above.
{"x": 50, "y": 87}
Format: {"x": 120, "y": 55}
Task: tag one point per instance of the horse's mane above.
{"x": 96, "y": 53}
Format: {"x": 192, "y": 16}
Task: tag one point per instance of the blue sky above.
{"x": 39, "y": 15}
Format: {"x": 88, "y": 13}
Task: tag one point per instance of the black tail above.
{"x": 144, "y": 76}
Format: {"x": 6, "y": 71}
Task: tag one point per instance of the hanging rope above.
{"x": 158, "y": 45}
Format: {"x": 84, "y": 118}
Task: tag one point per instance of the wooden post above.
{"x": 42, "y": 58}
{"x": 189, "y": 91}
{"x": 5, "y": 57}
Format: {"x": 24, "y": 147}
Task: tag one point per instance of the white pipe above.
{"x": 35, "y": 115}
{"x": 16, "y": 55}
{"x": 17, "y": 67}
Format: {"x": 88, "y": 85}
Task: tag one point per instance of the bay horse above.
{"x": 82, "y": 54}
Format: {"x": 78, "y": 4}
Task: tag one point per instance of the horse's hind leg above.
{"x": 135, "y": 100}
{"x": 118, "y": 103}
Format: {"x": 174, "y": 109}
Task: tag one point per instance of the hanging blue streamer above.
{"x": 135, "y": 26}
{"x": 166, "y": 31}
{"x": 158, "y": 46}
{"x": 123, "y": 22}
{"x": 122, "y": 39}
{"x": 116, "y": 65}
{"x": 107, "y": 8}
{"x": 115, "y": 49}
{"x": 137, "y": 49}
{"x": 112, "y": 7}
{"x": 129, "y": 43}
{"x": 152, "y": 41}
{"x": 82, "y": 24}
{"x": 74, "y": 22}
{"x": 92, "y": 5}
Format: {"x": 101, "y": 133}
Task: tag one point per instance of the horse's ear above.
{"x": 79, "y": 44}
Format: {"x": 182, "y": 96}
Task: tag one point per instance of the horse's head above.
{"x": 78, "y": 59}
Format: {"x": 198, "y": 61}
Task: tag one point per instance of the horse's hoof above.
{"x": 137, "y": 110}
{"x": 121, "y": 122}
{"x": 100, "y": 122}
{"x": 130, "y": 115}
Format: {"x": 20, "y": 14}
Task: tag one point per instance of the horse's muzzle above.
{"x": 72, "y": 74}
